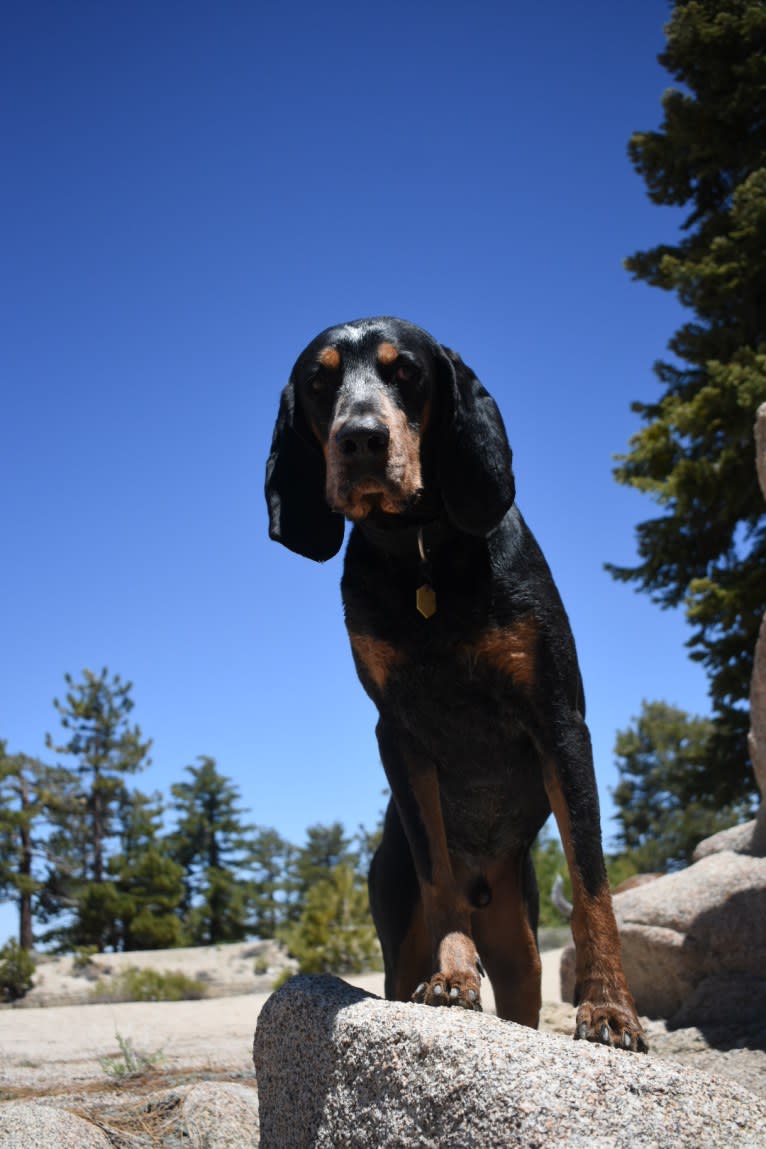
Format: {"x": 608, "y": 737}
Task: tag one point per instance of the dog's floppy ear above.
{"x": 299, "y": 516}
{"x": 477, "y": 482}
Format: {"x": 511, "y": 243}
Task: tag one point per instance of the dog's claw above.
{"x": 610, "y": 1023}
{"x": 448, "y": 990}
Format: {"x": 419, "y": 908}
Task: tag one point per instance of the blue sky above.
{"x": 190, "y": 192}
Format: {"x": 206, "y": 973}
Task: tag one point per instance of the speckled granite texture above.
{"x": 339, "y": 1068}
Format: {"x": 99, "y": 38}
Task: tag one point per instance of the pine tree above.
{"x": 326, "y": 846}
{"x": 210, "y": 843}
{"x": 334, "y": 933}
{"x": 30, "y": 792}
{"x": 106, "y": 749}
{"x": 149, "y": 883}
{"x": 269, "y": 860}
{"x": 695, "y": 456}
{"x": 664, "y": 807}
{"x": 367, "y": 842}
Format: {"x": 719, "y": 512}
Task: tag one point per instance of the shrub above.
{"x": 82, "y": 962}
{"x": 282, "y": 977}
{"x": 17, "y": 967}
{"x": 130, "y": 1062}
{"x": 135, "y": 984}
{"x": 335, "y": 933}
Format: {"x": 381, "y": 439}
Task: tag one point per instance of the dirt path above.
{"x": 67, "y": 1044}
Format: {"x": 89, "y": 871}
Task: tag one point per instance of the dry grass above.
{"x": 140, "y": 1112}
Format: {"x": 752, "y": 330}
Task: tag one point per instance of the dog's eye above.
{"x": 320, "y": 382}
{"x": 406, "y": 372}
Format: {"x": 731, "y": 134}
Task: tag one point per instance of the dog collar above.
{"x": 425, "y": 595}
{"x": 415, "y": 541}
{"x": 407, "y": 540}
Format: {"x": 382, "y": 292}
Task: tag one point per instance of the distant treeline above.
{"x": 87, "y": 860}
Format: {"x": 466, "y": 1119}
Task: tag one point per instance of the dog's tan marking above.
{"x": 600, "y": 986}
{"x": 456, "y": 952}
{"x": 376, "y": 656}
{"x": 330, "y": 358}
{"x": 387, "y": 354}
{"x": 399, "y": 478}
{"x": 593, "y": 925}
{"x": 510, "y": 649}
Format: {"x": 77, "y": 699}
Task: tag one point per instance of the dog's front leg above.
{"x": 606, "y": 1012}
{"x": 446, "y": 911}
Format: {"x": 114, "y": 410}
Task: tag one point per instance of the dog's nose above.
{"x": 364, "y": 438}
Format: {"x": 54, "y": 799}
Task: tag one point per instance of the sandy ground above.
{"x": 66, "y": 1044}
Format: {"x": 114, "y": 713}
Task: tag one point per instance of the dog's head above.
{"x": 380, "y": 420}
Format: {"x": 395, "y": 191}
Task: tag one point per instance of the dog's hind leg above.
{"x": 505, "y": 934}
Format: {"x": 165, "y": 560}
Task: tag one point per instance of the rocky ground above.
{"x": 139, "y": 1069}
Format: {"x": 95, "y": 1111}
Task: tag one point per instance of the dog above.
{"x": 461, "y": 640}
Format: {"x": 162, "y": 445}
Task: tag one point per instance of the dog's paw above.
{"x": 460, "y": 989}
{"x": 610, "y": 1023}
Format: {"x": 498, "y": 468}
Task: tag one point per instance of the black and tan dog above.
{"x": 460, "y": 638}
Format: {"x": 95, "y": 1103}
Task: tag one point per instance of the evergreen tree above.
{"x": 148, "y": 882}
{"x": 29, "y": 792}
{"x": 210, "y": 843}
{"x": 326, "y": 846}
{"x": 106, "y": 749}
{"x": 367, "y": 842}
{"x": 664, "y": 808}
{"x": 270, "y": 860}
{"x": 334, "y": 933}
{"x": 695, "y": 455}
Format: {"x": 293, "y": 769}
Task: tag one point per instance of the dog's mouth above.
{"x": 358, "y": 498}
{"x": 380, "y": 475}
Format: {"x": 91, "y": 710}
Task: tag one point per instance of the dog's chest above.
{"x": 456, "y": 685}
{"x": 466, "y": 716}
{"x": 461, "y": 701}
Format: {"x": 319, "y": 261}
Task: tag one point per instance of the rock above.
{"x": 220, "y": 1116}
{"x": 740, "y": 839}
{"x": 25, "y": 1126}
{"x": 203, "y": 1115}
{"x": 726, "y": 1003}
{"x": 707, "y": 921}
{"x": 567, "y": 975}
{"x": 341, "y": 1069}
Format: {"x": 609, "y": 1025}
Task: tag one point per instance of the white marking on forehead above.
{"x": 353, "y": 334}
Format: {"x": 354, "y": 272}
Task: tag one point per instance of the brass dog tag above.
{"x": 425, "y": 600}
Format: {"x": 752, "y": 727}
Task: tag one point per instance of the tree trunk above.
{"x": 26, "y": 935}
{"x": 757, "y": 737}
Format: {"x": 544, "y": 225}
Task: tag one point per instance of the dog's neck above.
{"x": 406, "y": 537}
{"x": 412, "y": 544}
